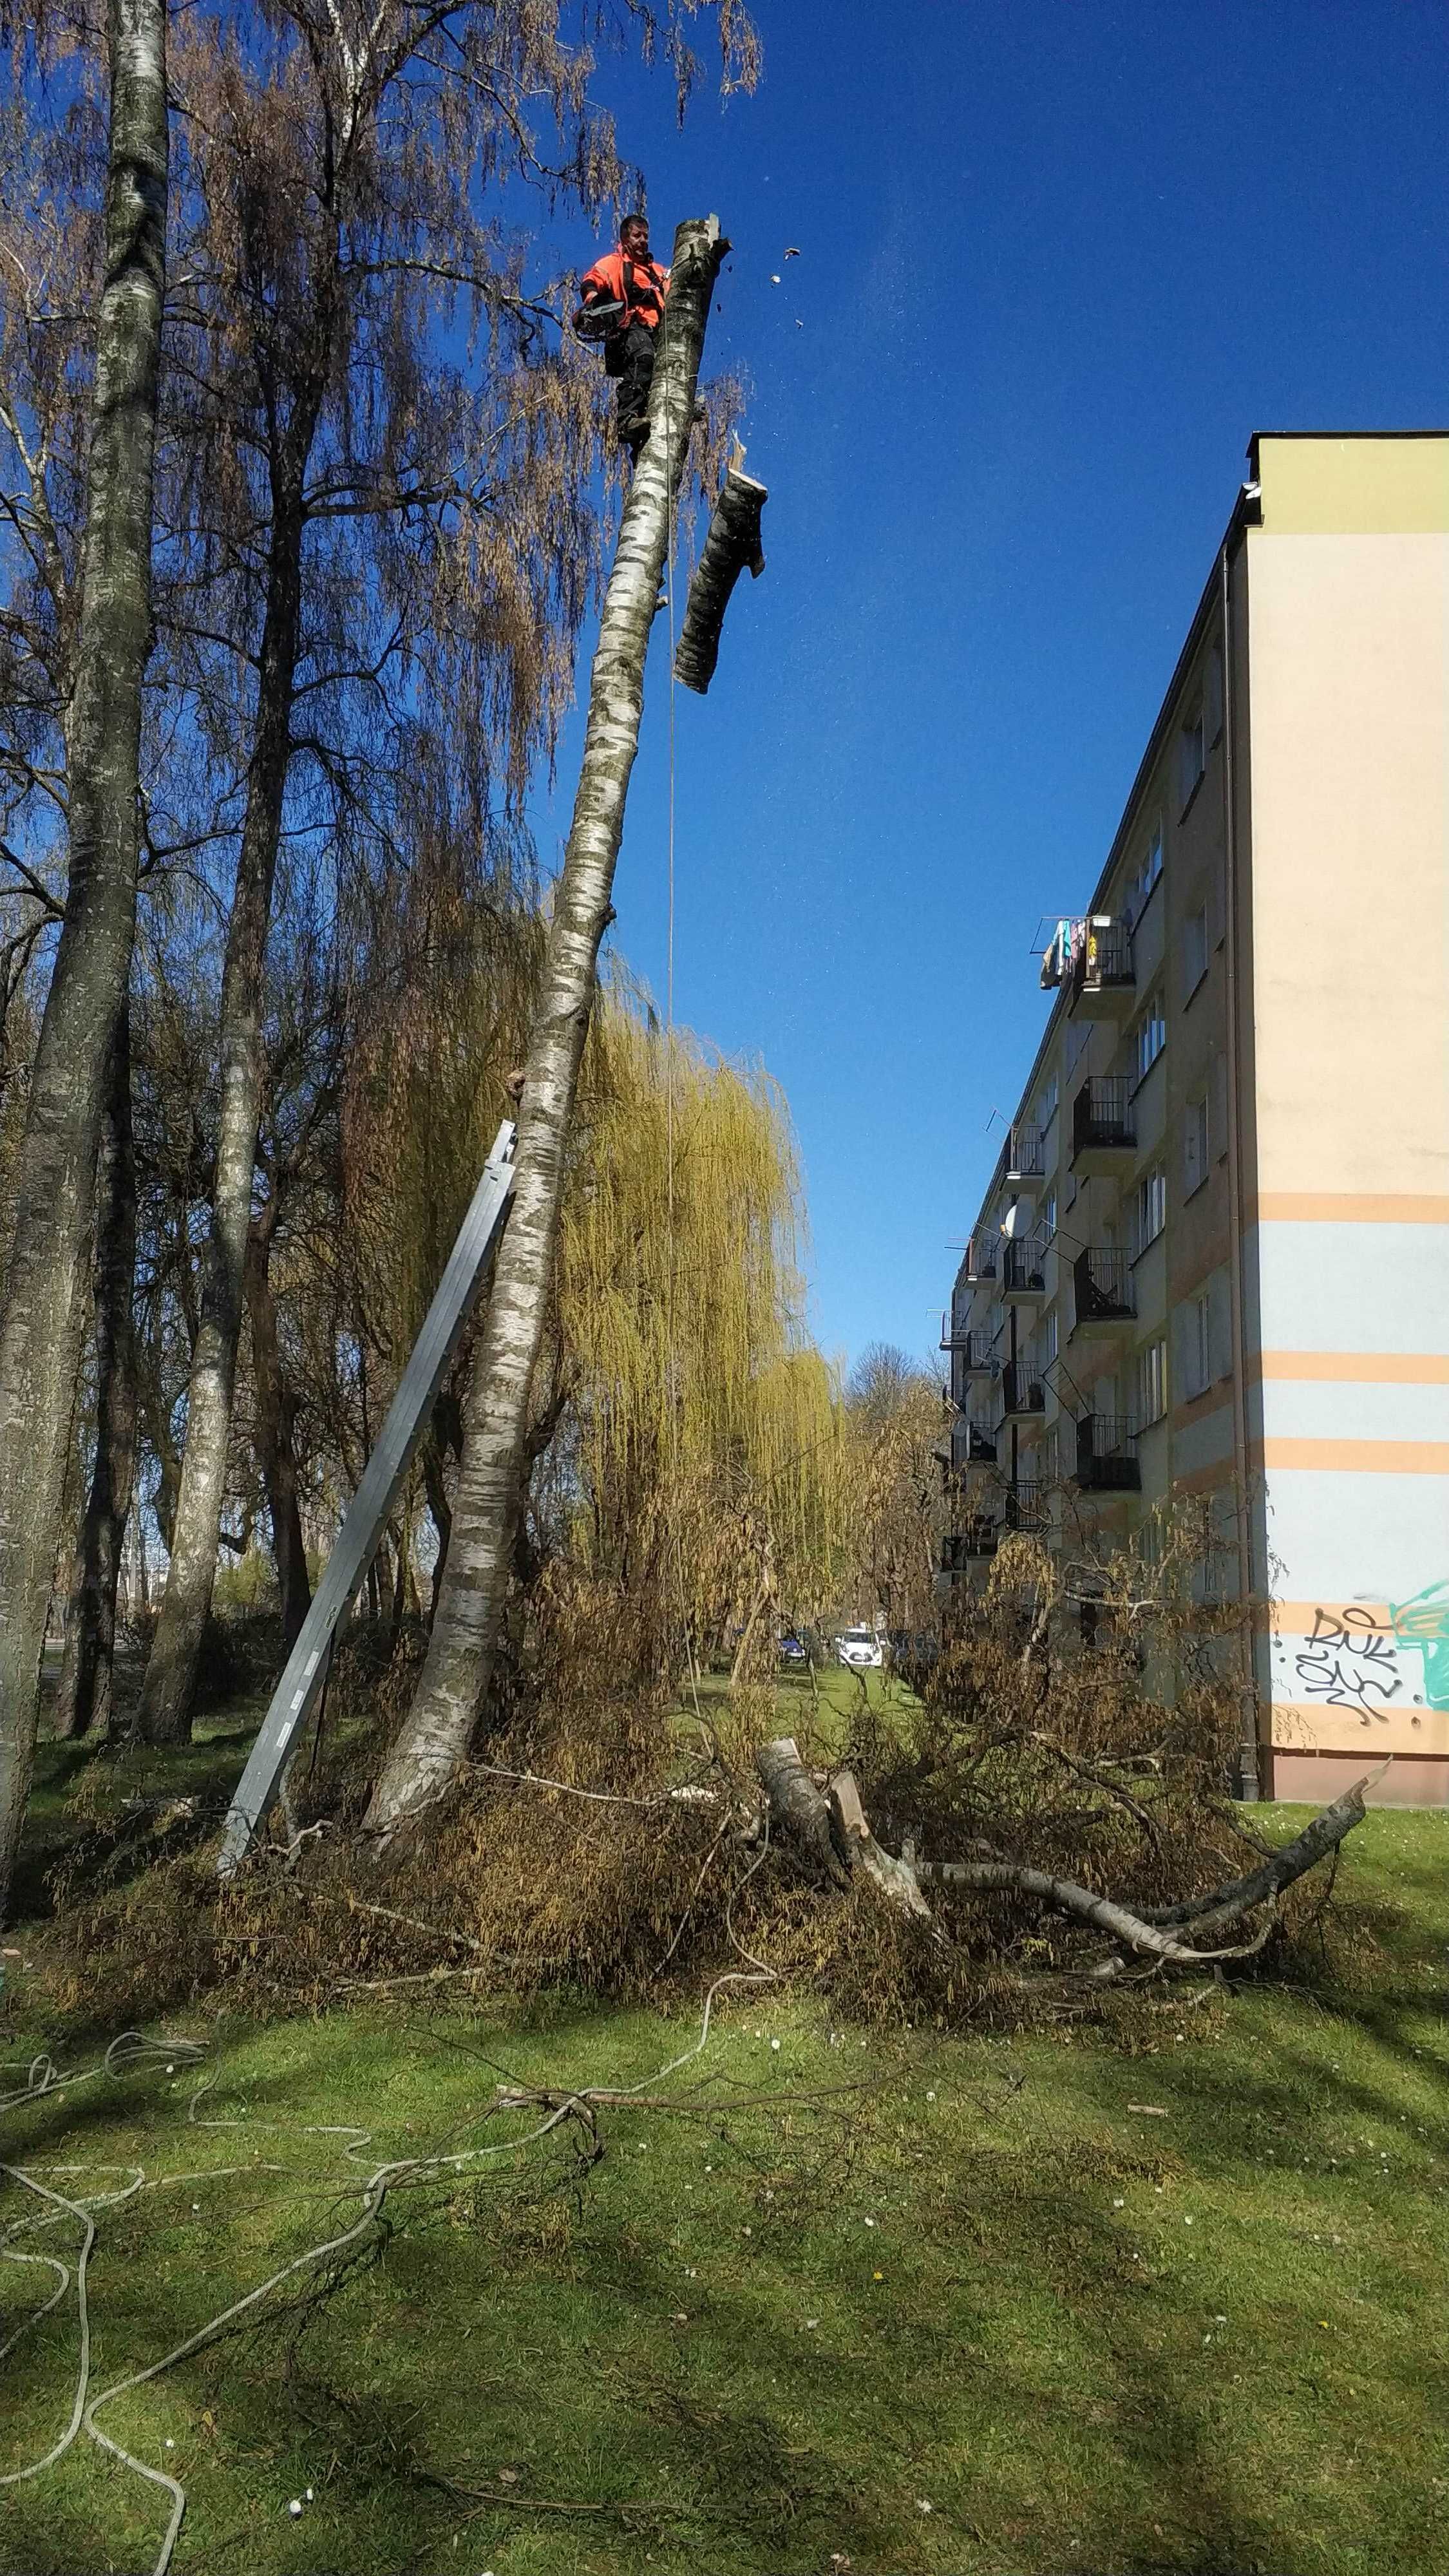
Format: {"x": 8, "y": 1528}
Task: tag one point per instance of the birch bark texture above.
{"x": 47, "y": 1279}
{"x": 434, "y": 1741}
{"x": 84, "y": 1696}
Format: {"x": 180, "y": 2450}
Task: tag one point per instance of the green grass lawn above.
{"x": 914, "y": 2303}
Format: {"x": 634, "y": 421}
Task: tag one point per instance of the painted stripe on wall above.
{"x": 1347, "y": 1368}
{"x": 1356, "y": 1457}
{"x": 1300, "y": 1728}
{"x": 1348, "y": 1207}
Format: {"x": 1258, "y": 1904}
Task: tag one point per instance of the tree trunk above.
{"x": 84, "y": 1698}
{"x": 732, "y": 546}
{"x": 48, "y": 1274}
{"x": 165, "y": 1714}
{"x": 275, "y": 1410}
{"x": 434, "y": 1741}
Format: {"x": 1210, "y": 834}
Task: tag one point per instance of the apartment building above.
{"x": 1213, "y": 1258}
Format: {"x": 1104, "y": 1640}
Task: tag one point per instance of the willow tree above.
{"x": 705, "y": 1477}
{"x": 433, "y": 1743}
{"x": 46, "y": 1280}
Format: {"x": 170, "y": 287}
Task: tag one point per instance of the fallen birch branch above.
{"x": 1318, "y": 1838}
{"x": 835, "y": 1832}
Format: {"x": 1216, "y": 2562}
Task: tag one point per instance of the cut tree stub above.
{"x": 732, "y": 546}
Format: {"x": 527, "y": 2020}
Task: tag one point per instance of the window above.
{"x": 1049, "y": 1215}
{"x": 1151, "y": 1206}
{"x": 1194, "y": 950}
{"x": 1046, "y": 1344}
{"x": 1145, "y": 879}
{"x": 1213, "y": 694}
{"x": 1048, "y": 1107}
{"x": 1191, "y": 759}
{"x": 1198, "y": 1346}
{"x": 1151, "y": 1384}
{"x": 1194, "y": 1145}
{"x": 1150, "y": 1036}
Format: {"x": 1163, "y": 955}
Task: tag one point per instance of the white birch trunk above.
{"x": 165, "y": 1711}
{"x": 435, "y": 1738}
{"x": 47, "y": 1281}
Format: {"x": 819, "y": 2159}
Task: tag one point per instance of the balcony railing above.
{"x": 980, "y": 1444}
{"x": 1102, "y": 1284}
{"x": 1027, "y": 1507}
{"x": 1104, "y": 972}
{"x": 981, "y": 1255}
{"x": 1023, "y": 1271}
{"x": 1021, "y": 1392}
{"x": 976, "y": 1537}
{"x": 1102, "y": 1117}
{"x": 1025, "y": 1155}
{"x": 1107, "y": 1454}
{"x": 970, "y": 1347}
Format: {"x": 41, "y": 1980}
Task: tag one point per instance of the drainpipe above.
{"x": 1249, "y": 1786}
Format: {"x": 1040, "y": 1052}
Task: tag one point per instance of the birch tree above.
{"x": 390, "y": 495}
{"x": 434, "y": 1741}
{"x": 342, "y": 213}
{"x": 47, "y": 1277}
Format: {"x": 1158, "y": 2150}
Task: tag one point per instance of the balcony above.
{"x": 1023, "y": 1164}
{"x": 1022, "y": 1394}
{"x": 1102, "y": 1288}
{"x": 981, "y": 1257}
{"x": 1107, "y": 1455}
{"x": 971, "y": 1349}
{"x": 977, "y": 1537}
{"x": 1023, "y": 1268}
{"x": 1027, "y": 1507}
{"x": 980, "y": 1444}
{"x": 1104, "y": 1129}
{"x": 1104, "y": 978}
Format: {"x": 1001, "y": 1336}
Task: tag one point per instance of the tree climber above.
{"x": 623, "y": 299}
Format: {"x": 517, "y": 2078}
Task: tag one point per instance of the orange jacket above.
{"x": 640, "y": 285}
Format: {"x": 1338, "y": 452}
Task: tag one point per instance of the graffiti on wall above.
{"x": 1361, "y": 1658}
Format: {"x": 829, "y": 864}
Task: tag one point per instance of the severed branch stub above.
{"x": 732, "y": 544}
{"x": 835, "y": 1832}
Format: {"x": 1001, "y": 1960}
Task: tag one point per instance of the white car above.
{"x": 860, "y": 1650}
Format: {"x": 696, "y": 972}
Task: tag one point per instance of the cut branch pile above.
{"x": 825, "y": 1821}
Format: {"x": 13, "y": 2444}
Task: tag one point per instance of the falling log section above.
{"x": 732, "y": 545}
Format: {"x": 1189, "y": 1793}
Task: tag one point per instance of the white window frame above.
{"x": 1151, "y": 1383}
{"x": 1153, "y": 1017}
{"x": 1195, "y": 950}
{"x": 1150, "y": 1210}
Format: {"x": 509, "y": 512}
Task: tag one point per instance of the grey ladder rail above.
{"x": 367, "y": 1514}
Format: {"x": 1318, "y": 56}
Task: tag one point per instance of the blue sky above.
{"x": 1056, "y": 263}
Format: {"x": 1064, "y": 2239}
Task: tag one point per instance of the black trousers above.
{"x": 630, "y": 357}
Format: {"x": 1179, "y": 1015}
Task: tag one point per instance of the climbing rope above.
{"x": 670, "y": 1359}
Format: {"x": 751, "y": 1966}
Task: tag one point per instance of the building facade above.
{"x": 1213, "y": 1258}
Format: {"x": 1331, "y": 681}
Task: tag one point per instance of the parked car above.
{"x": 793, "y": 1651}
{"x": 859, "y": 1649}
